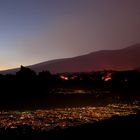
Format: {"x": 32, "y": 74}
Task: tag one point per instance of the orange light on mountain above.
{"x": 107, "y": 77}
{"x": 64, "y": 77}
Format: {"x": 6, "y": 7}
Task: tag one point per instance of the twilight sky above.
{"x": 33, "y": 31}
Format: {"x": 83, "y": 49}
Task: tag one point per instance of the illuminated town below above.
{"x": 48, "y": 119}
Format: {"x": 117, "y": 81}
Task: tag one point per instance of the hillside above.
{"x": 123, "y": 59}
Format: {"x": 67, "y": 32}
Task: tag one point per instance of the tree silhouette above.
{"x": 25, "y": 73}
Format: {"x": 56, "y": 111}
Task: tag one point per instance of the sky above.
{"x": 33, "y": 31}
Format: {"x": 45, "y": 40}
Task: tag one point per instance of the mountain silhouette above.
{"x": 123, "y": 59}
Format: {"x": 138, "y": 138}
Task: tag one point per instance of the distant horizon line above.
{"x": 35, "y": 63}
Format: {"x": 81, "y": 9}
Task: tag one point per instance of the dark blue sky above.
{"x": 33, "y": 31}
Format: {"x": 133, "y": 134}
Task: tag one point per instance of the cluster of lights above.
{"x": 63, "y": 117}
{"x": 64, "y": 77}
{"x": 107, "y": 77}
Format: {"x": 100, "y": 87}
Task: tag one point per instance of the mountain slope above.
{"x": 123, "y": 59}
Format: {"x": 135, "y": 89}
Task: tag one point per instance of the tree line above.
{"x": 26, "y": 83}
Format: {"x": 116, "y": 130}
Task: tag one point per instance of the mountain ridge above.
{"x": 121, "y": 59}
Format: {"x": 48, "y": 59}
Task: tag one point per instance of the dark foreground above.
{"x": 115, "y": 127}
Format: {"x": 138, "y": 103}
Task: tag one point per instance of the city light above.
{"x": 64, "y": 77}
{"x": 63, "y": 117}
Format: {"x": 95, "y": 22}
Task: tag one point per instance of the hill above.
{"x": 123, "y": 59}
